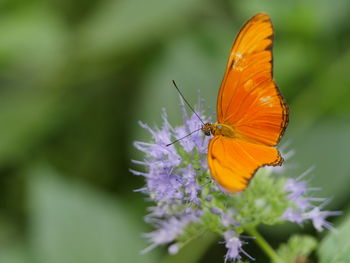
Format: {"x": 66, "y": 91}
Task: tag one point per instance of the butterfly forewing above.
{"x": 248, "y": 98}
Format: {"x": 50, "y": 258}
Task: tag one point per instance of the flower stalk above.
{"x": 264, "y": 245}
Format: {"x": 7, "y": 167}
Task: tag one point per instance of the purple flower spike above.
{"x": 166, "y": 181}
{"x": 171, "y": 176}
{"x": 186, "y": 143}
{"x": 292, "y": 216}
{"x": 216, "y": 211}
{"x": 191, "y": 187}
{"x": 234, "y": 246}
{"x": 304, "y": 206}
{"x": 168, "y": 230}
{"x": 227, "y": 218}
{"x": 295, "y": 188}
{"x": 318, "y": 218}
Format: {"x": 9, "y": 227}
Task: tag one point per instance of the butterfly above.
{"x": 252, "y": 115}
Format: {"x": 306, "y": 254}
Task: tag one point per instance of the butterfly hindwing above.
{"x": 233, "y": 162}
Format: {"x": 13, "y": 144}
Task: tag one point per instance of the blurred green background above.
{"x": 76, "y": 76}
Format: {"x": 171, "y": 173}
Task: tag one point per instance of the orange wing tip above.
{"x": 260, "y": 16}
{"x": 278, "y": 162}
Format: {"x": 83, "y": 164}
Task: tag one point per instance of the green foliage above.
{"x": 335, "y": 247}
{"x": 72, "y": 223}
{"x": 297, "y": 249}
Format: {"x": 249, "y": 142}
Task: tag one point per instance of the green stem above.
{"x": 264, "y": 245}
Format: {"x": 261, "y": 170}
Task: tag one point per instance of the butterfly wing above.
{"x": 233, "y": 162}
{"x": 249, "y": 99}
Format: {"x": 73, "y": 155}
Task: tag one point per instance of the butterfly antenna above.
{"x": 182, "y": 137}
{"x": 188, "y": 104}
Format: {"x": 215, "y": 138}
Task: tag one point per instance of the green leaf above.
{"x": 297, "y": 249}
{"x": 72, "y": 223}
{"x": 335, "y": 247}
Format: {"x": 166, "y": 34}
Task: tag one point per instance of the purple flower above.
{"x": 173, "y": 249}
{"x": 191, "y": 123}
{"x": 164, "y": 184}
{"x": 234, "y": 246}
{"x": 190, "y": 185}
{"x": 318, "y": 218}
{"x": 186, "y": 143}
{"x": 158, "y": 152}
{"x": 227, "y": 218}
{"x": 168, "y": 229}
{"x": 304, "y": 206}
{"x": 166, "y": 180}
{"x": 295, "y": 188}
{"x": 292, "y": 216}
{"x": 216, "y": 211}
{"x": 171, "y": 180}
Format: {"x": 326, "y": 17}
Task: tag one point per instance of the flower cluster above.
{"x": 172, "y": 171}
{"x": 186, "y": 202}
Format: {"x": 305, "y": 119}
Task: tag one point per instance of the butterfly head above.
{"x": 207, "y": 129}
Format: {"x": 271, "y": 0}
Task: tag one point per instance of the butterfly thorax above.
{"x": 218, "y": 129}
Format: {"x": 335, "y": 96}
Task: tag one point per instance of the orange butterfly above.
{"x": 252, "y": 115}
